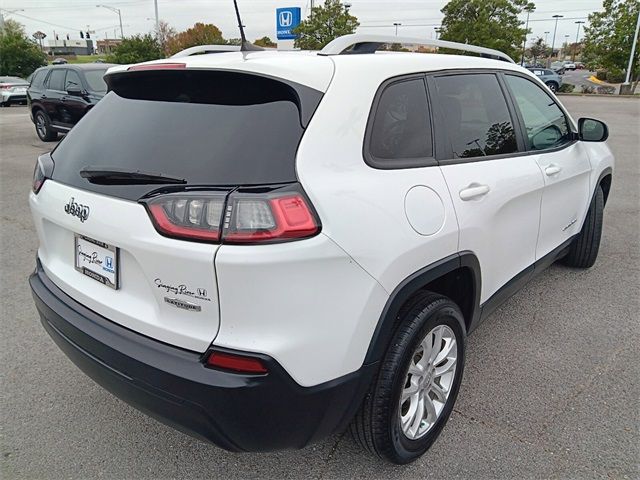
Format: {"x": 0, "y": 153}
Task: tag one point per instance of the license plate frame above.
{"x": 92, "y": 259}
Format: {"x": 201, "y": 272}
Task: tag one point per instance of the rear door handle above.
{"x": 552, "y": 170}
{"x": 474, "y": 190}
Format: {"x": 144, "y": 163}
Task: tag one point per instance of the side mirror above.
{"x": 592, "y": 130}
{"x": 75, "y": 91}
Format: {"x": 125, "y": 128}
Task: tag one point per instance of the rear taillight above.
{"x": 246, "y": 216}
{"x": 42, "y": 171}
{"x": 195, "y": 216}
{"x": 236, "y": 363}
{"x": 5, "y": 87}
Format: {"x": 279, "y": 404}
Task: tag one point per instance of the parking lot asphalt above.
{"x": 551, "y": 386}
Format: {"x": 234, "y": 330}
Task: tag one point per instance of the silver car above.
{"x": 552, "y": 79}
{"x": 13, "y": 90}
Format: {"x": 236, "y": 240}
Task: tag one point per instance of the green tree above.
{"x": 164, "y": 33}
{"x": 265, "y": 42}
{"x": 486, "y": 23}
{"x": 19, "y": 55}
{"x": 199, "y": 34}
{"x": 234, "y": 41}
{"x": 325, "y": 23}
{"x": 538, "y": 49}
{"x": 139, "y": 48}
{"x": 609, "y": 37}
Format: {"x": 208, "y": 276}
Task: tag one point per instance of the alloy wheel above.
{"x": 429, "y": 382}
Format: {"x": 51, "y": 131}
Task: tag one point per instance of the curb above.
{"x": 611, "y": 95}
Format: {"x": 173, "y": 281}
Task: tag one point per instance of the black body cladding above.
{"x": 236, "y": 412}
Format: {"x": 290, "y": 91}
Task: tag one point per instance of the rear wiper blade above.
{"x": 117, "y": 176}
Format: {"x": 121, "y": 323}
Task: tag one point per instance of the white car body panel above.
{"x": 306, "y": 303}
{"x": 501, "y": 227}
{"x": 147, "y": 260}
{"x": 566, "y": 195}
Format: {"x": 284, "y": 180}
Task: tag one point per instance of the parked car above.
{"x": 550, "y": 78}
{"x": 569, "y": 66}
{"x": 59, "y": 96}
{"x": 579, "y": 65}
{"x": 59, "y": 61}
{"x": 13, "y": 90}
{"x": 223, "y": 247}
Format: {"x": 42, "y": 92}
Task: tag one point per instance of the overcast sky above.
{"x": 418, "y": 17}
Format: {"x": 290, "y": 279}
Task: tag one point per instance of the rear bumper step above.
{"x": 236, "y": 412}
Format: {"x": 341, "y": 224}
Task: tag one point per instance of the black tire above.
{"x": 584, "y": 247}
{"x": 553, "y": 86}
{"x": 376, "y": 426}
{"x": 43, "y": 127}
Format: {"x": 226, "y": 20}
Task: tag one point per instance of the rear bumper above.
{"x": 236, "y": 412}
{"x": 8, "y": 97}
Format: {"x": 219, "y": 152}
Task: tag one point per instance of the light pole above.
{"x": 575, "y": 46}
{"x": 115, "y": 10}
{"x": 633, "y": 52}
{"x": 529, "y": 8}
{"x": 397, "y": 24}
{"x": 155, "y": 6}
{"x": 553, "y": 42}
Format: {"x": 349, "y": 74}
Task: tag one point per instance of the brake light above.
{"x": 157, "y": 66}
{"x": 5, "y": 87}
{"x": 42, "y": 171}
{"x": 247, "y": 216}
{"x": 236, "y": 363}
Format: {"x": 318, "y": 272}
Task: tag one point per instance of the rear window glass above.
{"x": 95, "y": 81}
{"x": 209, "y": 128}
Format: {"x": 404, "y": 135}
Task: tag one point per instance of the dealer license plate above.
{"x": 97, "y": 260}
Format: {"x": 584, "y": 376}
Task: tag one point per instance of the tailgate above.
{"x": 166, "y": 288}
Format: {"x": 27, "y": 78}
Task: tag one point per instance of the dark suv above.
{"x": 60, "y": 95}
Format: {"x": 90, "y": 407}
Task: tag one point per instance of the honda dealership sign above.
{"x": 286, "y": 20}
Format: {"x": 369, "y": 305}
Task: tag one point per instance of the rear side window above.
{"x": 73, "y": 80}
{"x": 38, "y": 78}
{"x": 477, "y": 118}
{"x": 401, "y": 128}
{"x": 209, "y": 128}
{"x": 546, "y": 124}
{"x": 56, "y": 79}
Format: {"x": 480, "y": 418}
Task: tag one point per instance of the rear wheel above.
{"x": 410, "y": 401}
{"x": 43, "y": 127}
{"x": 553, "y": 86}
{"x": 585, "y": 246}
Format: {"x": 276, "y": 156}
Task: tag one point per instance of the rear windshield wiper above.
{"x": 117, "y": 176}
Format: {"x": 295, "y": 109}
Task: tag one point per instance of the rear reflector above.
{"x": 157, "y": 66}
{"x": 236, "y": 363}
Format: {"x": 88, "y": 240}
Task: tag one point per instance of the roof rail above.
{"x": 206, "y": 49}
{"x": 364, "y": 43}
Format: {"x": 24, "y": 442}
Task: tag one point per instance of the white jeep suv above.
{"x": 261, "y": 248}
